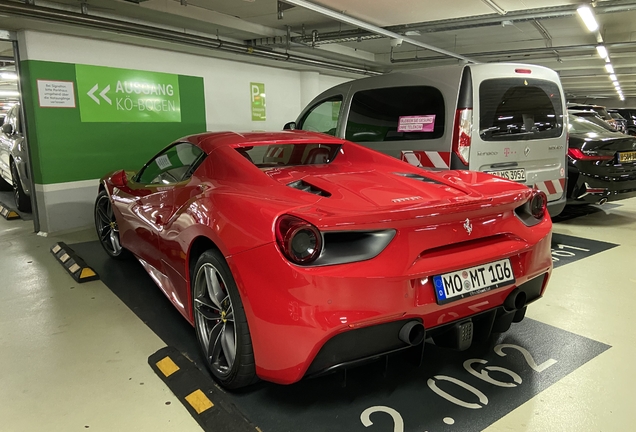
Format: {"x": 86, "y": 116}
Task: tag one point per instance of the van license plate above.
{"x": 627, "y": 157}
{"x": 471, "y": 281}
{"x": 518, "y": 175}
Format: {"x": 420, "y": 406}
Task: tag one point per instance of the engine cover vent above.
{"x": 306, "y": 187}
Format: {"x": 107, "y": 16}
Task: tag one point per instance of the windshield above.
{"x": 282, "y": 155}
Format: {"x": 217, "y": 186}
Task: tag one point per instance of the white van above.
{"x": 505, "y": 119}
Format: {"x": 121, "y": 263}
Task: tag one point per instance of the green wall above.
{"x": 63, "y": 149}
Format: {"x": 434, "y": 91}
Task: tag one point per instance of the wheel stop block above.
{"x": 73, "y": 264}
{"x": 8, "y": 213}
{"x": 208, "y": 404}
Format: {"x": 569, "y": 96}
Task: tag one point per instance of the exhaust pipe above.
{"x": 412, "y": 333}
{"x": 516, "y": 300}
{"x": 602, "y": 201}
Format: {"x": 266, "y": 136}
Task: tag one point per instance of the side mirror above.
{"x": 290, "y": 126}
{"x": 7, "y": 128}
{"x": 119, "y": 179}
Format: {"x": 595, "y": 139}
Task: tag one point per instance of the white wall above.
{"x": 227, "y": 97}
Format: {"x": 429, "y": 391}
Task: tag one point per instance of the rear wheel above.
{"x": 221, "y": 324}
{"x": 5, "y": 185}
{"x": 22, "y": 201}
{"x": 106, "y": 226}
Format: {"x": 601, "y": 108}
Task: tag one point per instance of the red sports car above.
{"x": 295, "y": 253}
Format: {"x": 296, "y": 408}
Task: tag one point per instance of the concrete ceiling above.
{"x": 545, "y": 32}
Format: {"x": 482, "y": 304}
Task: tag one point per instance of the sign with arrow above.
{"x": 126, "y": 96}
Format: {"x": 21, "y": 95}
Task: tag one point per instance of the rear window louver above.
{"x": 418, "y": 177}
{"x": 306, "y": 187}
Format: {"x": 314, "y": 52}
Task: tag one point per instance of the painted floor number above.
{"x": 561, "y": 251}
{"x": 483, "y": 374}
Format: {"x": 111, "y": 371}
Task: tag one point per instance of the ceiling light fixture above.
{"x": 586, "y": 14}
{"x": 602, "y": 51}
{"x": 616, "y": 84}
{"x": 494, "y": 6}
{"x": 613, "y": 77}
{"x": 8, "y": 76}
{"x": 9, "y": 93}
{"x": 609, "y": 68}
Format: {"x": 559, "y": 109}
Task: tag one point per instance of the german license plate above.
{"x": 627, "y": 156}
{"x": 518, "y": 175}
{"x": 475, "y": 280}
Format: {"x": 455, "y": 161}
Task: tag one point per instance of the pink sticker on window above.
{"x": 425, "y": 123}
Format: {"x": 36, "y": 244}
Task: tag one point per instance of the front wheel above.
{"x": 106, "y": 226}
{"x": 22, "y": 201}
{"x": 221, "y": 324}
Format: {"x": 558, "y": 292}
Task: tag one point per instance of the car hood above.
{"x": 397, "y": 195}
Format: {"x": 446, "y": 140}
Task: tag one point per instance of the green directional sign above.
{"x": 257, "y": 94}
{"x": 124, "y": 95}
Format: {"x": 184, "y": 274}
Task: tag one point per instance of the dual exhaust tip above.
{"x": 413, "y": 332}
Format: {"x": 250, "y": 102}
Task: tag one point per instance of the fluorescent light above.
{"x": 588, "y": 18}
{"x": 609, "y": 68}
{"x": 622, "y": 97}
{"x": 602, "y": 51}
{"x": 9, "y": 93}
{"x": 8, "y": 76}
{"x": 494, "y": 6}
{"x": 613, "y": 77}
{"x": 616, "y": 84}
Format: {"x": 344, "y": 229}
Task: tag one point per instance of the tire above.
{"x": 106, "y": 227}
{"x": 22, "y": 201}
{"x": 5, "y": 185}
{"x": 220, "y": 323}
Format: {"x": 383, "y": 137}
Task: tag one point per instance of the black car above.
{"x": 629, "y": 114}
{"x": 601, "y": 163}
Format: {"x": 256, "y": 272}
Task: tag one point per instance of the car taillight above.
{"x": 299, "y": 240}
{"x": 575, "y": 153}
{"x": 538, "y": 204}
{"x": 463, "y": 134}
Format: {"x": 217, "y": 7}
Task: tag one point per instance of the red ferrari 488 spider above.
{"x": 295, "y": 253}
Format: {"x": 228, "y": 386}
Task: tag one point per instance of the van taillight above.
{"x": 462, "y": 134}
{"x": 523, "y": 71}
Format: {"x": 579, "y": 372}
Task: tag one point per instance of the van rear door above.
{"x": 520, "y": 126}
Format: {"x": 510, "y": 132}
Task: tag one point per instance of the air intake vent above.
{"x": 418, "y": 177}
{"x": 306, "y": 187}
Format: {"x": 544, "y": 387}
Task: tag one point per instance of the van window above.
{"x": 396, "y": 114}
{"x": 323, "y": 117}
{"x": 515, "y": 109}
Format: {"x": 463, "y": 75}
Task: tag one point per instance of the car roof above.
{"x": 210, "y": 141}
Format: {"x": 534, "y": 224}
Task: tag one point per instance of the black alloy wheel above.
{"x": 220, "y": 322}
{"x": 106, "y": 226}
{"x": 22, "y": 201}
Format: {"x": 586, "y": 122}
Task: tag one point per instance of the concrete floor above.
{"x": 73, "y": 357}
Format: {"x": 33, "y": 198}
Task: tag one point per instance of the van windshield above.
{"x": 516, "y": 109}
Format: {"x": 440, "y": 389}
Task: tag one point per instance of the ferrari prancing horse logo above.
{"x": 468, "y": 226}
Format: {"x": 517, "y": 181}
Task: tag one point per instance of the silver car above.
{"x": 13, "y": 159}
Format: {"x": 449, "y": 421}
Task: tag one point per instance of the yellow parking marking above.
{"x": 167, "y": 366}
{"x": 199, "y": 401}
{"x": 86, "y": 272}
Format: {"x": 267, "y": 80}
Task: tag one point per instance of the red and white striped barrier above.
{"x": 427, "y": 159}
{"x": 552, "y": 188}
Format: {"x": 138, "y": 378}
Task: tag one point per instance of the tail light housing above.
{"x": 298, "y": 240}
{"x": 578, "y": 154}
{"x": 462, "y": 134}
{"x": 534, "y": 210}
{"x": 538, "y": 204}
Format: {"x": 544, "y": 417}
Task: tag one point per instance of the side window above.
{"x": 174, "y": 164}
{"x": 396, "y": 114}
{"x": 323, "y": 117}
